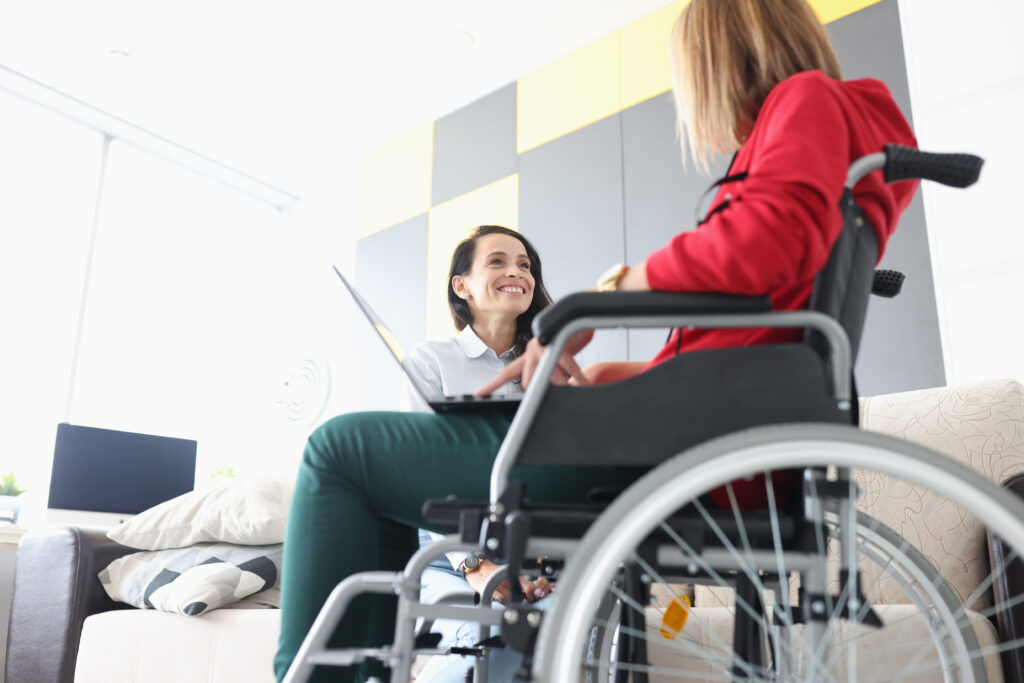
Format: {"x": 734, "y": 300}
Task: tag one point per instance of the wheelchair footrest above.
{"x": 348, "y": 657}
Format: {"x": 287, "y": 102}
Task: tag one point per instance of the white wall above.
{"x": 966, "y": 71}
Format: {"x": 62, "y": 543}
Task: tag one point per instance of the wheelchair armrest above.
{"x": 636, "y": 304}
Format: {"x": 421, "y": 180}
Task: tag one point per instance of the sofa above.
{"x": 64, "y": 627}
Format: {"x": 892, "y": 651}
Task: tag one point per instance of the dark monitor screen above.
{"x": 102, "y": 470}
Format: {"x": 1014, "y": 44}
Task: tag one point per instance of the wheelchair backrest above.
{"x": 843, "y": 287}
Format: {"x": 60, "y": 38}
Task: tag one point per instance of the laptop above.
{"x": 467, "y": 403}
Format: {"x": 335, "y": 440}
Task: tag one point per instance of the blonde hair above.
{"x": 727, "y": 55}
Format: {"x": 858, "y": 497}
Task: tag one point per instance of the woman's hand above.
{"x": 526, "y": 365}
{"x": 534, "y": 590}
{"x": 607, "y": 372}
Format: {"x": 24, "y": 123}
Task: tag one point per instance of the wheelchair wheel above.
{"x": 894, "y": 617}
{"x": 601, "y": 647}
{"x": 892, "y": 559}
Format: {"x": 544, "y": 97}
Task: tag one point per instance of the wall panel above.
{"x": 901, "y": 348}
{"x": 390, "y": 272}
{"x": 592, "y": 141}
{"x": 660, "y": 195}
{"x": 571, "y": 208}
{"x": 475, "y": 145}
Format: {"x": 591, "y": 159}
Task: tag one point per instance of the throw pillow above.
{"x": 243, "y": 511}
{"x": 193, "y": 580}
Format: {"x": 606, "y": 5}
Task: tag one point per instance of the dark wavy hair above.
{"x": 462, "y": 262}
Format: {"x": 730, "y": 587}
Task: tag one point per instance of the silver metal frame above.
{"x": 407, "y": 583}
{"x": 714, "y": 463}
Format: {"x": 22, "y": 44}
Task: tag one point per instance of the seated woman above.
{"x": 755, "y": 78}
{"x": 495, "y": 288}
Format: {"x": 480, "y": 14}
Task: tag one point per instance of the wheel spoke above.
{"x": 890, "y": 569}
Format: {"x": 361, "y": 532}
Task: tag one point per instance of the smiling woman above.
{"x": 496, "y": 272}
{"x": 495, "y": 288}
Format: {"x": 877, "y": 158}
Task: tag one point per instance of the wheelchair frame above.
{"x": 563, "y": 629}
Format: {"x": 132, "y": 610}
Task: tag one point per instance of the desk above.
{"x": 10, "y": 536}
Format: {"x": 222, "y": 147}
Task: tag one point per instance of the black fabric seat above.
{"x": 685, "y": 401}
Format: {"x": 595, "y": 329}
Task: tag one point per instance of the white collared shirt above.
{"x": 459, "y": 365}
{"x": 453, "y": 367}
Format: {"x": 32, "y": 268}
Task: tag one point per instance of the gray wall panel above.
{"x": 870, "y": 45}
{"x": 901, "y": 349}
{"x": 475, "y": 145}
{"x": 661, "y": 195}
{"x": 390, "y": 271}
{"x": 570, "y": 207}
{"x": 615, "y": 191}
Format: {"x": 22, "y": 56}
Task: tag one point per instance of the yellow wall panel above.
{"x": 570, "y": 93}
{"x": 394, "y": 181}
{"x": 830, "y": 10}
{"x": 448, "y": 224}
{"x": 645, "y": 56}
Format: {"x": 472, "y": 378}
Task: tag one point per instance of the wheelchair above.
{"x": 755, "y": 467}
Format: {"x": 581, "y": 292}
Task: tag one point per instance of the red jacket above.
{"x": 782, "y": 220}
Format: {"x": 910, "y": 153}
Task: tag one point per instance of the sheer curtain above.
{"x": 200, "y": 318}
{"x": 49, "y": 174}
{"x": 186, "y": 330}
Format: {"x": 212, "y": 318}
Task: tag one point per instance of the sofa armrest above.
{"x": 1009, "y": 581}
{"x": 55, "y": 589}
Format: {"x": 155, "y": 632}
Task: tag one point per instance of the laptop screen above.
{"x": 103, "y": 470}
{"x": 389, "y": 338}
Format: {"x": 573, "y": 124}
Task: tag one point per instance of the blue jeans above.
{"x": 441, "y": 579}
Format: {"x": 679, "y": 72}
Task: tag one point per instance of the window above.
{"x": 49, "y": 173}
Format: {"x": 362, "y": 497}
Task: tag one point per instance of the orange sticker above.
{"x": 675, "y": 616}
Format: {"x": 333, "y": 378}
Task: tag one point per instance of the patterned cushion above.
{"x": 980, "y": 425}
{"x": 709, "y": 631}
{"x": 192, "y": 580}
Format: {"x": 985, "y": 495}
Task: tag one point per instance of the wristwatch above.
{"x": 610, "y": 279}
{"x": 471, "y": 564}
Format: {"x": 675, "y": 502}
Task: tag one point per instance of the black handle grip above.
{"x": 955, "y": 170}
{"x": 887, "y": 283}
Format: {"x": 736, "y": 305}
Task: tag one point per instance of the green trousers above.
{"x": 358, "y": 498}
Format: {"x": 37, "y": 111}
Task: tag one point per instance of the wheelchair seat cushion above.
{"x": 684, "y": 401}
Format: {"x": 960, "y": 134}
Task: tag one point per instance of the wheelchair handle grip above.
{"x": 955, "y": 170}
{"x": 887, "y": 283}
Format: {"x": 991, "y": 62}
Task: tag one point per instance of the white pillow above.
{"x": 244, "y": 511}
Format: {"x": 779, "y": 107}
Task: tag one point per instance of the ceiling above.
{"x": 293, "y": 92}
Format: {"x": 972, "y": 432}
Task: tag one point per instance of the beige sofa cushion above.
{"x": 146, "y": 646}
{"x": 981, "y": 425}
{"x": 701, "y": 650}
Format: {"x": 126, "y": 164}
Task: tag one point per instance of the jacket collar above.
{"x": 472, "y": 345}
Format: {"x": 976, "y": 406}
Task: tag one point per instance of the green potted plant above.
{"x": 10, "y": 506}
